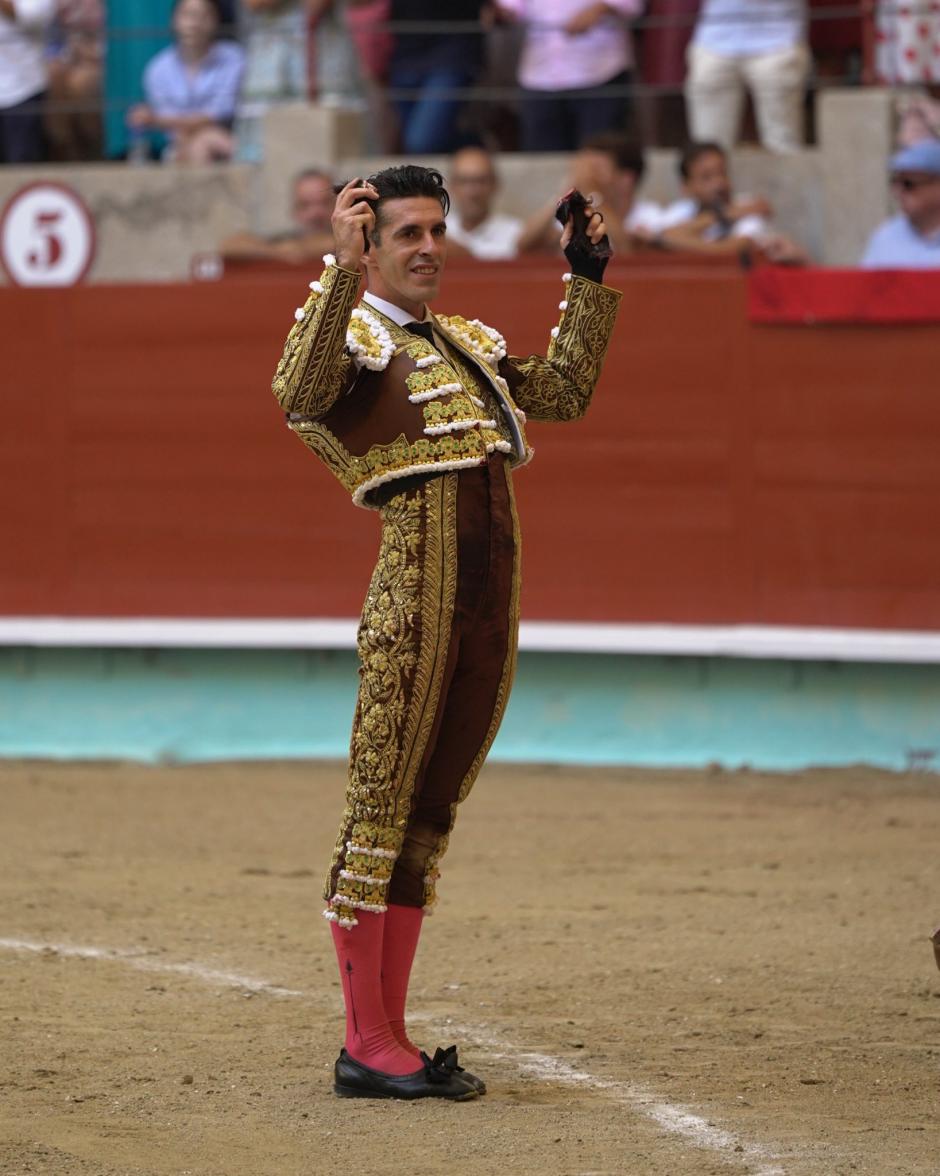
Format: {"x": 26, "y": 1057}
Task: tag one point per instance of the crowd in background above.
{"x": 190, "y": 79}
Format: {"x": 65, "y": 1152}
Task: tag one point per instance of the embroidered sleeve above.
{"x": 316, "y": 367}
{"x": 559, "y": 386}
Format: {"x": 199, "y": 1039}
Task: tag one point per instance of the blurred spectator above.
{"x": 758, "y": 45}
{"x": 911, "y": 240}
{"x": 311, "y": 235}
{"x": 191, "y": 87}
{"x": 710, "y": 219}
{"x": 22, "y": 78}
{"x": 73, "y": 106}
{"x": 907, "y": 37}
{"x": 472, "y": 225}
{"x": 336, "y": 75}
{"x": 274, "y": 34}
{"x": 372, "y": 42}
{"x": 435, "y": 66}
{"x": 610, "y": 167}
{"x": 573, "y": 52}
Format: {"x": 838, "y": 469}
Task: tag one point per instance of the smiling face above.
{"x": 407, "y": 251}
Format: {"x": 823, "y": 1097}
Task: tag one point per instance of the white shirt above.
{"x": 22, "y": 68}
{"x": 553, "y": 60}
{"x": 754, "y": 227}
{"x": 391, "y": 311}
{"x": 745, "y": 28}
{"x": 495, "y": 239}
{"x": 645, "y": 215}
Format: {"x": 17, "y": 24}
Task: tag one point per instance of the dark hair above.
{"x": 626, "y": 153}
{"x": 399, "y": 183}
{"x": 214, "y": 4}
{"x": 694, "y": 151}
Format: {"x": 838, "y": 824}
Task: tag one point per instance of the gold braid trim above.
{"x": 559, "y": 387}
{"x": 403, "y": 641}
{"x": 315, "y": 368}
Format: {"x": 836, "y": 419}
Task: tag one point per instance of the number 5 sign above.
{"x": 47, "y": 236}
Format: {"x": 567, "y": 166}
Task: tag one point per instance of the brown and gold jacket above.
{"x": 376, "y": 402}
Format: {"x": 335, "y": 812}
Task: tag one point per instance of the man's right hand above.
{"x": 353, "y": 220}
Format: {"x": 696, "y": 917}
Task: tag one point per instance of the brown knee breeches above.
{"x": 437, "y": 646}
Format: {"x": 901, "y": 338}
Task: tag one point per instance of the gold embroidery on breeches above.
{"x": 404, "y": 645}
{"x": 402, "y": 642}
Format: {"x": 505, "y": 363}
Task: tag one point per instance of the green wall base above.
{"x": 192, "y": 705}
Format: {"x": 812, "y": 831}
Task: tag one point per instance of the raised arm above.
{"x": 559, "y": 385}
{"x": 316, "y": 369}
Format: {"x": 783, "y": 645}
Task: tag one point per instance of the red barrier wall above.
{"x": 726, "y": 472}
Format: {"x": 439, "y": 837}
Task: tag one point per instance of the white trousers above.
{"x": 714, "y": 95}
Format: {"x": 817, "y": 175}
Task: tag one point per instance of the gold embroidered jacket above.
{"x": 376, "y": 402}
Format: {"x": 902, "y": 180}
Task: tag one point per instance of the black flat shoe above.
{"x": 354, "y": 1080}
{"x": 446, "y": 1059}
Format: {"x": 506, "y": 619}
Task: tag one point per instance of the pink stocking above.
{"x": 369, "y": 1037}
{"x": 402, "y": 928}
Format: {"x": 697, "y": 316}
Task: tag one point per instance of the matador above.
{"x": 422, "y": 417}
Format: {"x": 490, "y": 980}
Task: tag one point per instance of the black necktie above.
{"x": 422, "y": 329}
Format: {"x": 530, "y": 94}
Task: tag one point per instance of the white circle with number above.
{"x": 47, "y": 236}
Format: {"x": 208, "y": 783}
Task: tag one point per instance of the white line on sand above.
{"x": 677, "y": 1120}
{"x": 671, "y": 1117}
{"x": 145, "y": 961}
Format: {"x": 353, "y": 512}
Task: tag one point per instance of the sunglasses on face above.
{"x": 910, "y": 184}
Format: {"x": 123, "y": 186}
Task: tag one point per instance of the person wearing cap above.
{"x": 911, "y": 238}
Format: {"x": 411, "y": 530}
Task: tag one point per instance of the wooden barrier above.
{"x": 727, "y": 472}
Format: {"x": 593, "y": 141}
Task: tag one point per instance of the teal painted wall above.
{"x": 153, "y": 705}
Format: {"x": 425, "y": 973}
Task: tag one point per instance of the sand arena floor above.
{"x": 657, "y": 973}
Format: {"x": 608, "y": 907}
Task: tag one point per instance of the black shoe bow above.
{"x": 446, "y": 1060}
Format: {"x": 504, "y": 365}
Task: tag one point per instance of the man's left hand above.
{"x": 595, "y": 225}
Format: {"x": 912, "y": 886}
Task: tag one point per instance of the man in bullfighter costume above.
{"x": 422, "y": 418}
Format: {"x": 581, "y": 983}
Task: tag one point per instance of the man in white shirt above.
{"x": 758, "y": 45}
{"x": 22, "y": 78}
{"x": 711, "y": 219}
{"x": 472, "y": 225}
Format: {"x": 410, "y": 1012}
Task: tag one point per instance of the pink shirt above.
{"x": 553, "y": 60}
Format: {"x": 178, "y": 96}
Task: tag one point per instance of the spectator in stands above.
{"x": 911, "y": 239}
{"x": 73, "y": 107}
{"x": 758, "y": 45}
{"x": 472, "y": 225}
{"x": 274, "y": 34}
{"x": 436, "y": 66}
{"x": 191, "y": 87}
{"x": 710, "y": 219}
{"x": 311, "y": 235}
{"x": 576, "y": 56}
{"x": 22, "y": 78}
{"x": 610, "y": 166}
